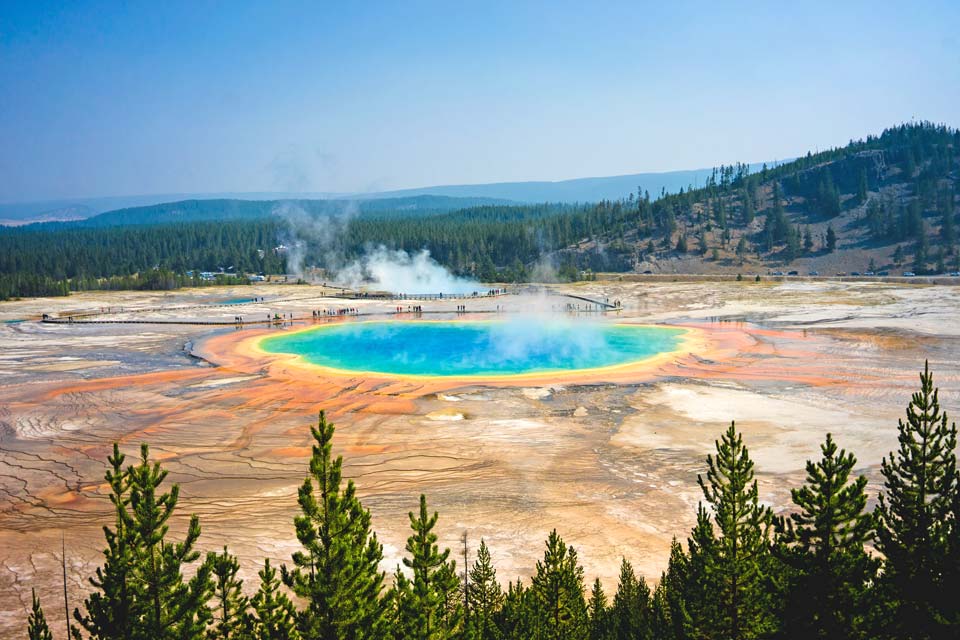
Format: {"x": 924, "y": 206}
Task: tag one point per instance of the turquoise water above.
{"x": 474, "y": 348}
{"x": 237, "y": 301}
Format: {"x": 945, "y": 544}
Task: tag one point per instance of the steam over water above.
{"x": 474, "y": 348}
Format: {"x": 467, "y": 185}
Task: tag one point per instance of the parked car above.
{"x": 955, "y": 274}
{"x": 869, "y": 273}
{"x": 814, "y": 273}
{"x": 883, "y": 274}
{"x": 777, "y": 273}
{"x": 908, "y": 274}
{"x": 841, "y": 274}
{"x": 855, "y": 273}
{"x": 793, "y": 273}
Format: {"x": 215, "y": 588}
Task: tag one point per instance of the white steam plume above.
{"x": 400, "y": 272}
{"x": 317, "y": 232}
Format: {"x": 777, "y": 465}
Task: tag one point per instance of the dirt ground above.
{"x": 611, "y": 463}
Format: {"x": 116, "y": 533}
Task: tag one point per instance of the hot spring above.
{"x": 474, "y": 348}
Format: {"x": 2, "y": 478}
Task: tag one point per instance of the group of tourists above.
{"x": 343, "y": 311}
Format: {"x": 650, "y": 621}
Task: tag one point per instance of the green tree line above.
{"x": 742, "y": 573}
{"x": 903, "y": 184}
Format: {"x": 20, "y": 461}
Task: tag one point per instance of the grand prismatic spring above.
{"x": 514, "y": 415}
{"x": 530, "y": 345}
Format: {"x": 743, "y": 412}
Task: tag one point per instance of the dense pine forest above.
{"x": 888, "y": 202}
{"x": 829, "y": 568}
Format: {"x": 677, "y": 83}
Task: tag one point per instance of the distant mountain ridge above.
{"x": 231, "y": 210}
{"x": 562, "y": 191}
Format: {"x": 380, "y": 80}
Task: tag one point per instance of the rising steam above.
{"x": 400, "y": 272}
{"x": 379, "y": 268}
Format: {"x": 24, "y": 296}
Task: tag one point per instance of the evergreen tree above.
{"x": 231, "y": 618}
{"x": 831, "y": 241}
{"x": 517, "y": 618}
{"x": 485, "y": 596}
{"x": 630, "y": 613}
{"x": 670, "y": 619}
{"x": 699, "y": 592}
{"x": 165, "y": 606}
{"x": 913, "y": 520}
{"x": 736, "y": 570}
{"x": 109, "y": 609}
{"x": 37, "y": 628}
{"x": 598, "y": 613}
{"x": 432, "y": 609}
{"x": 558, "y": 592}
{"x": 337, "y": 571}
{"x": 274, "y": 616}
{"x": 824, "y": 544}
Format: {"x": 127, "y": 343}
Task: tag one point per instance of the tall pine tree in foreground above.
{"x": 735, "y": 571}
{"x": 230, "y": 608}
{"x": 485, "y": 596}
{"x": 37, "y": 628}
{"x": 517, "y": 617}
{"x": 630, "y": 613}
{"x": 166, "y": 606}
{"x": 823, "y": 543}
{"x": 274, "y": 616}
{"x": 336, "y": 573}
{"x": 109, "y": 609}
{"x": 429, "y": 604}
{"x": 670, "y": 617}
{"x": 598, "y": 613}
{"x": 914, "y": 520}
{"x": 558, "y": 593}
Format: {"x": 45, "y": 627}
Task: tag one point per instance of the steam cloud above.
{"x": 400, "y": 272}
{"x": 379, "y": 268}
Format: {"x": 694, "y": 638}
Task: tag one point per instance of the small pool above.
{"x": 464, "y": 348}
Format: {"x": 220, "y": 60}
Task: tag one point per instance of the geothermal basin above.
{"x": 595, "y": 424}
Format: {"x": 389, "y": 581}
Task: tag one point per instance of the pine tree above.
{"x": 165, "y": 606}
{"x": 37, "y": 628}
{"x": 231, "y": 617}
{"x": 337, "y": 572}
{"x": 274, "y": 614}
{"x": 109, "y": 609}
{"x": 736, "y": 570}
{"x": 485, "y": 596}
{"x": 700, "y": 589}
{"x": 598, "y": 613}
{"x": 630, "y": 613}
{"x": 558, "y": 592}
{"x": 517, "y": 618}
{"x": 913, "y": 519}
{"x": 432, "y": 609}
{"x": 824, "y": 545}
{"x": 670, "y": 618}
{"x": 831, "y": 239}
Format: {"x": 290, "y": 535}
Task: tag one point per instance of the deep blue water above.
{"x": 528, "y": 345}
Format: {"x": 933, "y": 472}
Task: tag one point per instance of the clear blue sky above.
{"x": 110, "y": 98}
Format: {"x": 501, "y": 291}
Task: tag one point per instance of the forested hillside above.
{"x": 884, "y": 203}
